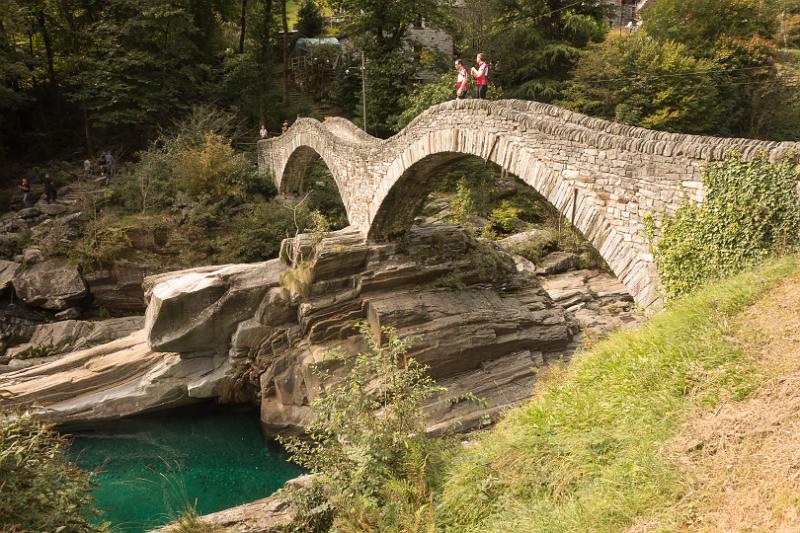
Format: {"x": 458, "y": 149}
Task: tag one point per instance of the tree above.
{"x": 701, "y": 24}
{"x": 534, "y": 43}
{"x": 637, "y": 80}
{"x": 382, "y": 25}
{"x": 309, "y": 23}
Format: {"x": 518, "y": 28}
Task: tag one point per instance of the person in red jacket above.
{"x": 462, "y": 82}
{"x": 481, "y": 75}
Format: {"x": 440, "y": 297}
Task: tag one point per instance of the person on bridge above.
{"x": 262, "y": 132}
{"x": 284, "y": 127}
{"x": 462, "y": 82}
{"x": 481, "y": 75}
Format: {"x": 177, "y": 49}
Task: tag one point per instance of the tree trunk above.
{"x": 265, "y": 59}
{"x": 48, "y": 47}
{"x": 285, "y": 53}
{"x": 243, "y": 25}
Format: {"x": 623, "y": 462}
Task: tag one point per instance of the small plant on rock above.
{"x": 373, "y": 464}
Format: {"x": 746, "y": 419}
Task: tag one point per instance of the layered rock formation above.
{"x": 238, "y": 333}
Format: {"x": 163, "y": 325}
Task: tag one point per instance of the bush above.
{"x": 750, "y": 211}
{"x": 366, "y": 442}
{"x": 39, "y": 489}
{"x": 503, "y": 221}
{"x": 258, "y": 232}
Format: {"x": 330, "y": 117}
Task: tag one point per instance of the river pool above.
{"x": 152, "y": 467}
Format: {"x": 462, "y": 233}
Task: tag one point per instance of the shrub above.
{"x": 195, "y": 158}
{"x": 366, "y": 442}
{"x": 212, "y": 168}
{"x": 503, "y": 221}
{"x": 258, "y": 232}
{"x": 39, "y": 489}
{"x": 750, "y": 211}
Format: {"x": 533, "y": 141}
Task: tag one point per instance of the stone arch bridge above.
{"x": 605, "y": 176}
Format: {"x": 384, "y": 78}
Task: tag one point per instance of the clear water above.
{"x": 153, "y": 466}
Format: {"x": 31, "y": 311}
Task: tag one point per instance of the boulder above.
{"x": 118, "y": 288}
{"x": 51, "y": 210}
{"x": 558, "y": 262}
{"x": 29, "y": 212}
{"x": 539, "y": 238}
{"x": 198, "y": 310}
{"x": 32, "y": 256}
{"x": 7, "y": 271}
{"x": 53, "y": 285}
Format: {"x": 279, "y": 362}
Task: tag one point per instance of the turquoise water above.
{"x": 153, "y": 466}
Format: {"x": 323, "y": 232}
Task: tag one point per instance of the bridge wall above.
{"x": 613, "y": 174}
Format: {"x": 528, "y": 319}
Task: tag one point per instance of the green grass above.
{"x": 588, "y": 453}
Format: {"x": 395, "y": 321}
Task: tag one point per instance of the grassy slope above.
{"x": 589, "y": 453}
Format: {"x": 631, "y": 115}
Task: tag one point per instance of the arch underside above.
{"x": 297, "y": 169}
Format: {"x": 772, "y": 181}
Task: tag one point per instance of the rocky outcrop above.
{"x": 120, "y": 378}
{"x": 71, "y": 335}
{"x": 53, "y": 285}
{"x": 238, "y": 333}
{"x": 273, "y": 514}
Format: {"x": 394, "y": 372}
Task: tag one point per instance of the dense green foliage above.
{"x": 629, "y": 79}
{"x": 751, "y": 211}
{"x": 535, "y": 43}
{"x": 366, "y": 444}
{"x": 39, "y": 489}
{"x": 704, "y": 66}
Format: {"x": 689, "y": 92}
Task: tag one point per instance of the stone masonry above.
{"x": 604, "y": 176}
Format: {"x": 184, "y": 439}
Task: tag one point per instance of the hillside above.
{"x": 689, "y": 423}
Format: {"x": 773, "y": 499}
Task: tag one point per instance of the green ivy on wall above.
{"x": 751, "y": 211}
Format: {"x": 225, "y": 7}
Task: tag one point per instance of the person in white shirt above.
{"x": 263, "y": 132}
{"x": 481, "y": 75}
{"x": 462, "y": 82}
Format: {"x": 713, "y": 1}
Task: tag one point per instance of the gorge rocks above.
{"x": 197, "y": 310}
{"x": 53, "y": 285}
{"x": 119, "y": 378}
{"x": 245, "y": 333}
{"x": 558, "y": 262}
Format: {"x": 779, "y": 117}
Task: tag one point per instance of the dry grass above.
{"x": 744, "y": 457}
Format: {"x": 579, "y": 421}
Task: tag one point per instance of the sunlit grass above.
{"x": 587, "y": 454}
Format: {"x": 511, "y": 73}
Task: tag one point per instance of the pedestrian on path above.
{"x": 50, "y": 191}
{"x": 25, "y": 189}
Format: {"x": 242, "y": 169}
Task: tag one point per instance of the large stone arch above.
{"x": 415, "y": 172}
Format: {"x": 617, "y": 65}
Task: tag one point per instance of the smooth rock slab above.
{"x": 53, "y": 285}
